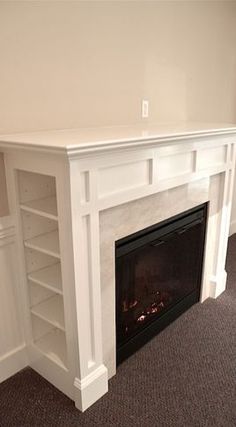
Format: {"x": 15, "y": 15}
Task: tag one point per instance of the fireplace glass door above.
{"x": 158, "y": 276}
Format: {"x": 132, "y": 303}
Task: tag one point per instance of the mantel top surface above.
{"x": 104, "y": 138}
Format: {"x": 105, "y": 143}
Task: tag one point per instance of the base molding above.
{"x": 232, "y": 228}
{"x": 91, "y": 388}
{"x": 52, "y": 372}
{"x": 218, "y": 284}
{"x": 13, "y": 362}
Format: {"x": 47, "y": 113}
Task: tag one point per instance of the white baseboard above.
{"x": 232, "y": 229}
{"x": 13, "y": 362}
{"x": 91, "y": 388}
{"x": 218, "y": 284}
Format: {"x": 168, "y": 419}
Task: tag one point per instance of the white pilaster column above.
{"x": 219, "y": 276}
{"x": 91, "y": 381}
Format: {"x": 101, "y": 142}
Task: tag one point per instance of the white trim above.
{"x": 232, "y": 229}
{"x": 7, "y": 230}
{"x": 101, "y": 147}
{"x": 6, "y": 222}
{"x": 91, "y": 140}
{"x": 218, "y": 284}
{"x": 13, "y": 362}
{"x": 53, "y": 372}
{"x": 91, "y": 388}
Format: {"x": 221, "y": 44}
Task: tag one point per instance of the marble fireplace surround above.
{"x": 111, "y": 182}
{"x": 128, "y": 218}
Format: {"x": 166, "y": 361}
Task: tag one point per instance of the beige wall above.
{"x": 71, "y": 63}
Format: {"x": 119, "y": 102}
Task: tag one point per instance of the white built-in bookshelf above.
{"x": 40, "y": 234}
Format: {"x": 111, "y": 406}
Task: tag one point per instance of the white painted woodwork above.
{"x": 12, "y": 346}
{"x": 47, "y": 243}
{"x": 45, "y": 207}
{"x": 36, "y": 260}
{"x": 53, "y": 346}
{"x": 176, "y": 165}
{"x": 38, "y": 294}
{"x": 232, "y": 223}
{"x": 40, "y": 328}
{"x": 51, "y": 310}
{"x": 211, "y": 157}
{"x": 35, "y": 225}
{"x": 124, "y": 176}
{"x": 35, "y": 187}
{"x": 49, "y": 277}
{"x": 59, "y": 184}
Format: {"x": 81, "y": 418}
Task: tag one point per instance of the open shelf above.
{"x": 49, "y": 277}
{"x": 37, "y": 209}
{"x": 47, "y": 243}
{"x": 52, "y": 311}
{"x": 53, "y": 346}
{"x": 45, "y": 207}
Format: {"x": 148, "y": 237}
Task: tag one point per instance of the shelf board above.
{"x": 52, "y": 311}
{"x": 47, "y": 243}
{"x": 49, "y": 277}
{"x": 53, "y": 346}
{"x": 46, "y": 207}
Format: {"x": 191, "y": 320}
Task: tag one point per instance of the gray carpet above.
{"x": 186, "y": 376}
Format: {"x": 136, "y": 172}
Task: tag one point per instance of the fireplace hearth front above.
{"x": 158, "y": 277}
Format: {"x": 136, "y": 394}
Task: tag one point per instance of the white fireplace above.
{"x": 74, "y": 194}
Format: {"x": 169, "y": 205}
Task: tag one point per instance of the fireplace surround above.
{"x": 74, "y": 194}
{"x": 118, "y": 222}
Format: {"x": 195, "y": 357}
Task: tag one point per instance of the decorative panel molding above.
{"x": 123, "y": 177}
{"x": 211, "y": 157}
{"x": 175, "y": 165}
{"x": 84, "y": 187}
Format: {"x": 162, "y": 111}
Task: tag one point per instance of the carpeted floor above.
{"x": 186, "y": 376}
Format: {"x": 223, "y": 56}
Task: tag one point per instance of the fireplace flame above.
{"x": 155, "y": 308}
{"x": 141, "y": 318}
{"x": 128, "y": 305}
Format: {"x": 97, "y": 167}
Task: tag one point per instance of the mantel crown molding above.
{"x": 84, "y": 142}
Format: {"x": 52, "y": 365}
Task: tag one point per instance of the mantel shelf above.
{"x": 97, "y": 139}
{"x": 46, "y": 207}
{"x": 47, "y": 243}
{"x": 48, "y": 277}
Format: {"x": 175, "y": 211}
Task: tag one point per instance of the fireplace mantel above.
{"x": 88, "y": 141}
{"x": 74, "y": 190}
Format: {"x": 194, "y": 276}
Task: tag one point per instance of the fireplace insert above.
{"x": 158, "y": 277}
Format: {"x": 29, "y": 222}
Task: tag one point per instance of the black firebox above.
{"x": 158, "y": 277}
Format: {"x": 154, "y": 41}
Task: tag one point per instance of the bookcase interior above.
{"x": 40, "y": 234}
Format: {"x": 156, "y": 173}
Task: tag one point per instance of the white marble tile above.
{"x": 128, "y": 218}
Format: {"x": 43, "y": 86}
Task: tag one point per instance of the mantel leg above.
{"x": 91, "y": 380}
{"x": 219, "y": 276}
